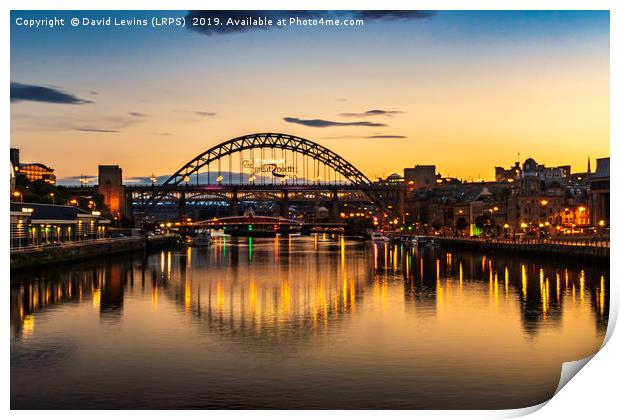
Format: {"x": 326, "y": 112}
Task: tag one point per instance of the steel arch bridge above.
{"x": 284, "y": 142}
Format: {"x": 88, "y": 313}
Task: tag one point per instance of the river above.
{"x": 302, "y": 322}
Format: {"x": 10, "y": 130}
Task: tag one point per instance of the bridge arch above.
{"x": 270, "y": 141}
{"x": 267, "y": 141}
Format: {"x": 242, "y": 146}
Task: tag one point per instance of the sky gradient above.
{"x": 463, "y": 90}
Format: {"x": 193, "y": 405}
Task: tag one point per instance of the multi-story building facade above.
{"x": 32, "y": 171}
{"x": 112, "y": 188}
{"x": 528, "y": 199}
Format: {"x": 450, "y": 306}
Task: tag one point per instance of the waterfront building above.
{"x": 531, "y": 199}
{"x": 458, "y": 208}
{"x": 39, "y": 224}
{"x": 32, "y": 171}
{"x": 112, "y": 188}
{"x": 599, "y": 192}
{"x": 38, "y": 172}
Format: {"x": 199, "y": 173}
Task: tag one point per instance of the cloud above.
{"x": 137, "y": 114}
{"x": 275, "y": 15}
{"x": 395, "y": 14}
{"x": 34, "y": 93}
{"x": 376, "y": 136}
{"x": 199, "y": 113}
{"x": 324, "y": 123}
{"x": 371, "y": 113}
{"x": 96, "y": 130}
{"x": 386, "y": 136}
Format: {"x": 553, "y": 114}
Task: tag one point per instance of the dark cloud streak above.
{"x": 34, "y": 93}
{"x": 371, "y": 113}
{"x": 96, "y": 130}
{"x": 386, "y": 136}
{"x": 325, "y": 123}
{"x": 376, "y": 136}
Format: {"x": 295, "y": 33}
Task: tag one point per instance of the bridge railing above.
{"x": 582, "y": 242}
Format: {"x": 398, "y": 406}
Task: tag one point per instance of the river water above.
{"x": 302, "y": 323}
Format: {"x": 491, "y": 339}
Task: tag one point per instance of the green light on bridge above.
{"x": 249, "y": 228}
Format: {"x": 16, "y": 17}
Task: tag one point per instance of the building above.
{"x": 40, "y": 224}
{"x": 508, "y": 175}
{"x": 37, "y": 172}
{"x": 454, "y": 207}
{"x": 531, "y": 199}
{"x": 32, "y": 171}
{"x": 421, "y": 176}
{"x": 599, "y": 193}
{"x": 112, "y": 188}
{"x": 15, "y": 158}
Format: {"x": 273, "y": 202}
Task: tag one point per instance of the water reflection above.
{"x": 282, "y": 297}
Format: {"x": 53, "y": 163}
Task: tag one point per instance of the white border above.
{"x": 591, "y": 394}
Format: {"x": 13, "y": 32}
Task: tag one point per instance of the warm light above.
{"x": 495, "y": 208}
{"x": 544, "y": 202}
{"x": 601, "y": 223}
{"x": 506, "y": 225}
{"x": 582, "y": 209}
{"x": 186, "y": 178}
{"x": 523, "y": 225}
{"x": 96, "y": 213}
{"x": 27, "y": 210}
{"x": 16, "y": 194}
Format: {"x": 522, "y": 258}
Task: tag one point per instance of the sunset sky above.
{"x": 463, "y": 90}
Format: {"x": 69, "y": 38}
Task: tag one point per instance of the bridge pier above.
{"x": 334, "y": 208}
{"x": 181, "y": 208}
{"x": 234, "y": 204}
{"x": 284, "y": 205}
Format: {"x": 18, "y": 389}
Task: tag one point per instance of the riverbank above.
{"x": 34, "y": 257}
{"x": 538, "y": 248}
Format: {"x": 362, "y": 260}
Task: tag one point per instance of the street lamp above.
{"x": 20, "y": 195}
{"x": 53, "y": 197}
